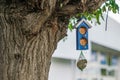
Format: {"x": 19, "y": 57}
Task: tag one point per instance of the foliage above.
{"x": 72, "y": 22}
{"x": 109, "y": 5}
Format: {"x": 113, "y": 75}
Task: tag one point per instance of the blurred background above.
{"x": 103, "y": 55}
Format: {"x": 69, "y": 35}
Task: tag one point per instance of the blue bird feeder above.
{"x": 82, "y": 34}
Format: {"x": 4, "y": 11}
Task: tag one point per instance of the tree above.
{"x": 30, "y": 31}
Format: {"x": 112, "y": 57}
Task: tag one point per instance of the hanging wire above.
{"x": 106, "y": 23}
{"x": 81, "y": 56}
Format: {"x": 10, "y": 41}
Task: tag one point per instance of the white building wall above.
{"x": 62, "y": 69}
{"x": 109, "y": 38}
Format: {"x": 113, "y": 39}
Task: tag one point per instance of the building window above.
{"x": 111, "y": 73}
{"x": 103, "y": 59}
{"x": 114, "y": 60}
{"x": 94, "y": 56}
{"x": 103, "y": 72}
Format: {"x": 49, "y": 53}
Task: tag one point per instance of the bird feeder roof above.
{"x": 83, "y": 21}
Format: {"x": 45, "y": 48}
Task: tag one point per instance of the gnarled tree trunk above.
{"x": 29, "y": 32}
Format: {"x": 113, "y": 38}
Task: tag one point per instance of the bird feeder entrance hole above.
{"x": 82, "y": 30}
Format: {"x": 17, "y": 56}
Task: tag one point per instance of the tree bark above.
{"x": 25, "y": 58}
{"x": 29, "y": 33}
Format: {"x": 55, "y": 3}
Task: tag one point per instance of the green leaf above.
{"x": 110, "y": 5}
{"x": 70, "y": 26}
{"x": 104, "y": 8}
{"x": 89, "y": 18}
{"x": 97, "y": 18}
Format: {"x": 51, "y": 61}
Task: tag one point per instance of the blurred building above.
{"x": 103, "y": 55}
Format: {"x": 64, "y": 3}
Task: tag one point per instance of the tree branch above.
{"x": 79, "y": 7}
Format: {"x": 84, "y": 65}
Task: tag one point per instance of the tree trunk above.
{"x": 29, "y": 33}
{"x": 22, "y": 58}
